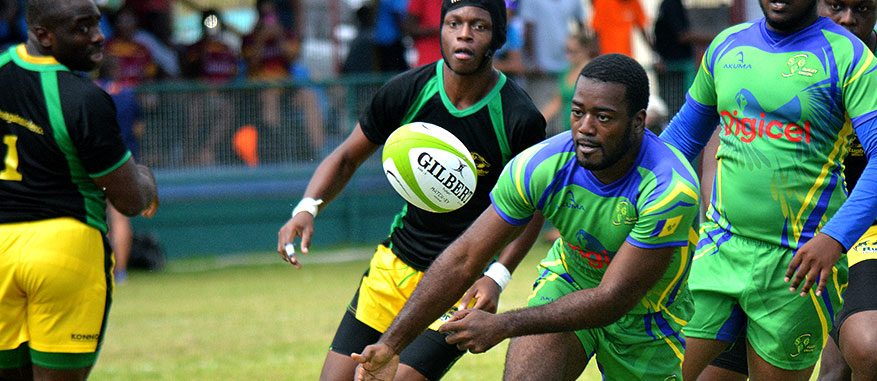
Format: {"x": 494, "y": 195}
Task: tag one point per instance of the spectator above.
{"x": 135, "y": 63}
{"x": 580, "y": 49}
{"x": 270, "y": 53}
{"x": 423, "y": 25}
{"x": 510, "y": 58}
{"x": 613, "y": 22}
{"x": 674, "y": 41}
{"x": 546, "y": 25}
{"x": 291, "y": 15}
{"x": 390, "y": 49}
{"x": 361, "y": 54}
{"x": 213, "y": 62}
{"x": 13, "y": 29}
{"x": 159, "y": 14}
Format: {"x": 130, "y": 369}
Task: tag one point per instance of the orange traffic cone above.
{"x": 245, "y": 144}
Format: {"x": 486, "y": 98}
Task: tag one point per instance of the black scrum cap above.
{"x": 496, "y": 8}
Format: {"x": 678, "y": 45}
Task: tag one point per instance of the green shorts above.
{"x": 737, "y": 280}
{"x": 636, "y": 347}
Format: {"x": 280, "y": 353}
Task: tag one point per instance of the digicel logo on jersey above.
{"x": 748, "y": 129}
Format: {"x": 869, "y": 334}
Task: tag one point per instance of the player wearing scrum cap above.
{"x": 495, "y": 120}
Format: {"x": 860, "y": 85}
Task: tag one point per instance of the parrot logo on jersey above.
{"x": 597, "y": 259}
{"x": 796, "y": 66}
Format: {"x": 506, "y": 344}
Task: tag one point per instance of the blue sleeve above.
{"x": 860, "y": 210}
{"x": 691, "y": 128}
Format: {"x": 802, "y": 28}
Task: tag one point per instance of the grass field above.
{"x": 255, "y": 318}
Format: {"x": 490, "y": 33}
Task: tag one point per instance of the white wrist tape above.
{"x": 309, "y": 205}
{"x": 499, "y": 273}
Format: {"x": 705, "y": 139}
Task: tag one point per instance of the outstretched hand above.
{"x": 377, "y": 362}
{"x": 486, "y": 293}
{"x": 474, "y": 330}
{"x": 301, "y": 225}
{"x": 813, "y": 261}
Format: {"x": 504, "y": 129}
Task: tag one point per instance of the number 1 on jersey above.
{"x": 10, "y": 171}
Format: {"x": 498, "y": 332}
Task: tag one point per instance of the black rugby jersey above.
{"x": 58, "y": 132}
{"x": 494, "y": 130}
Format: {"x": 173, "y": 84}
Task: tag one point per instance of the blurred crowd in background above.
{"x": 244, "y": 82}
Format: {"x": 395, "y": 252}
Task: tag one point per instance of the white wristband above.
{"x": 309, "y": 205}
{"x": 499, "y": 273}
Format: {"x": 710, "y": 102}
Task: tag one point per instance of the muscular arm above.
{"x": 330, "y": 178}
{"x": 632, "y": 273}
{"x": 449, "y": 276}
{"x": 131, "y": 188}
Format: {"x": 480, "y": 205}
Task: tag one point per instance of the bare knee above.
{"x": 556, "y": 356}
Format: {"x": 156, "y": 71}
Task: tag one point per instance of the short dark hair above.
{"x": 619, "y": 68}
{"x": 40, "y": 12}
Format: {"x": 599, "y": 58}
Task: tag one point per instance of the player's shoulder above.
{"x": 738, "y": 29}
{"x": 416, "y": 77}
{"x": 664, "y": 160}
{"x": 75, "y": 87}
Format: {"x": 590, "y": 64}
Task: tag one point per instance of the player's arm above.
{"x": 633, "y": 272}
{"x": 816, "y": 259}
{"x": 443, "y": 284}
{"x": 486, "y": 290}
{"x": 131, "y": 188}
{"x": 330, "y": 178}
{"x": 691, "y": 128}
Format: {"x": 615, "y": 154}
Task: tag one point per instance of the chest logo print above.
{"x": 796, "y": 66}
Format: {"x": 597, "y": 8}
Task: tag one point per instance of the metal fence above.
{"x": 190, "y": 125}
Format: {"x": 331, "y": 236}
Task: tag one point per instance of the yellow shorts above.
{"x": 55, "y": 286}
{"x": 865, "y": 248}
{"x": 385, "y": 289}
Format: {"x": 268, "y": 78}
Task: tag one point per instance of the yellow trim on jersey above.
{"x": 680, "y": 187}
{"x": 676, "y": 350}
{"x": 520, "y": 164}
{"x": 39, "y": 60}
{"x": 868, "y": 58}
{"x": 838, "y": 151}
{"x": 822, "y": 321}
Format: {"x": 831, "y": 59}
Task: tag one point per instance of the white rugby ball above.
{"x": 429, "y": 167}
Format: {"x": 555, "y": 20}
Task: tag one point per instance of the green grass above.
{"x": 255, "y": 318}
{"x": 252, "y": 317}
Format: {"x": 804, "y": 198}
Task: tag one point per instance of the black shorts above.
{"x": 859, "y": 295}
{"x": 429, "y": 354}
{"x": 734, "y": 358}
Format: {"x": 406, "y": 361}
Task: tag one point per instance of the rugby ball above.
{"x": 429, "y": 167}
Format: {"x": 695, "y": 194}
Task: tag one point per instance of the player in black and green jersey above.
{"x": 614, "y": 286}
{"x": 782, "y": 88}
{"x": 492, "y": 116}
{"x": 63, "y": 157}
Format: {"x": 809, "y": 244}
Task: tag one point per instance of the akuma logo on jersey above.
{"x": 748, "y": 129}
{"x": 739, "y": 64}
{"x": 796, "y": 66}
{"x": 570, "y": 202}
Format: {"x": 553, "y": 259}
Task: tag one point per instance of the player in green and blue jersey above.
{"x": 780, "y": 88}
{"x": 618, "y": 195}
